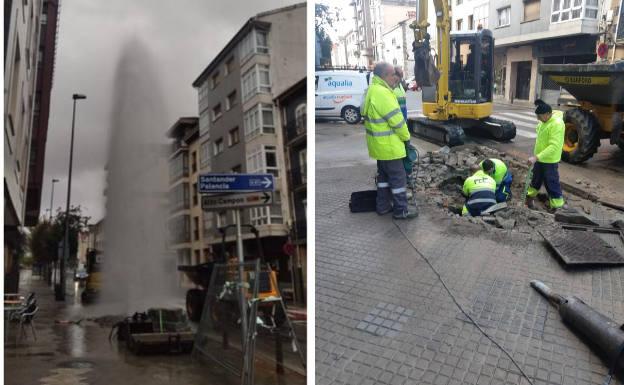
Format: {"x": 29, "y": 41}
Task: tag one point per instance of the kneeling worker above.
{"x": 503, "y": 178}
{"x": 480, "y": 190}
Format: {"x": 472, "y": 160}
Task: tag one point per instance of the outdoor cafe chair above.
{"x": 26, "y": 319}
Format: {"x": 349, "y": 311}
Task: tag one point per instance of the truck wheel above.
{"x": 351, "y": 115}
{"x": 582, "y": 138}
{"x": 195, "y": 304}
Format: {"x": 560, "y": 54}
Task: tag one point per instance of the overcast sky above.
{"x": 183, "y": 35}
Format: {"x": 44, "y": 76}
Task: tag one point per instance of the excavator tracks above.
{"x": 501, "y": 130}
{"x": 451, "y": 132}
{"x": 447, "y": 133}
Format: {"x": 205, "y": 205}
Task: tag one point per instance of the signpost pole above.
{"x": 241, "y": 260}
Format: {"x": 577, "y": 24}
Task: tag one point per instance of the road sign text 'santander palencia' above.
{"x": 235, "y": 183}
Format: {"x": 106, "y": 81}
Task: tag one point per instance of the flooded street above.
{"x": 80, "y": 352}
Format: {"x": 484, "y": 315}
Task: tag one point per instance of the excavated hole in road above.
{"x": 441, "y": 176}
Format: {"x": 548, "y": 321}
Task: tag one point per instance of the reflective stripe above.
{"x": 399, "y": 125}
{"x": 380, "y": 120}
{"x": 379, "y": 133}
{"x": 481, "y": 200}
{"x": 399, "y": 190}
{"x": 480, "y": 190}
{"x": 391, "y": 114}
{"x": 383, "y": 184}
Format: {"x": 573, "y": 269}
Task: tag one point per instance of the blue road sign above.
{"x": 223, "y": 183}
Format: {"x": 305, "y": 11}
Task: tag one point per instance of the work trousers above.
{"x": 391, "y": 187}
{"x": 547, "y": 174}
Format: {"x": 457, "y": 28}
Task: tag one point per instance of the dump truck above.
{"x": 599, "y": 110}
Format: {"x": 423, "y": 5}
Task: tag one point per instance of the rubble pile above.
{"x": 441, "y": 174}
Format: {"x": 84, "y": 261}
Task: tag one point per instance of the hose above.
{"x": 422, "y": 256}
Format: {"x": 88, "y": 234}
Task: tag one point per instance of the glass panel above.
{"x": 565, "y": 15}
{"x": 577, "y": 3}
{"x": 576, "y": 13}
{"x": 591, "y": 13}
{"x": 566, "y": 4}
{"x": 556, "y": 4}
{"x": 554, "y": 18}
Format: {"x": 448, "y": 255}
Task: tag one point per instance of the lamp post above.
{"x": 52, "y": 197}
{"x": 60, "y": 295}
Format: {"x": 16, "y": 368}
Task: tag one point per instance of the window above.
{"x": 179, "y": 197}
{"x": 258, "y": 120}
{"x": 180, "y": 229}
{"x": 564, "y": 10}
{"x": 207, "y": 256}
{"x": 214, "y": 80}
{"x": 195, "y": 195}
{"x": 197, "y": 256}
{"x": 531, "y": 10}
{"x": 263, "y": 160}
{"x": 202, "y": 95}
{"x": 256, "y": 41}
{"x": 194, "y": 161}
{"x": 470, "y": 22}
{"x": 229, "y": 66}
{"x": 218, "y": 146}
{"x": 591, "y": 9}
{"x": 222, "y": 218}
{"x": 207, "y": 222}
{"x": 303, "y": 165}
{"x": 503, "y": 16}
{"x": 204, "y": 154}
{"x": 300, "y": 118}
{"x": 255, "y": 81}
{"x": 459, "y": 23}
{"x": 481, "y": 16}
{"x": 178, "y": 167}
{"x": 233, "y": 137}
{"x": 268, "y": 215}
{"x": 204, "y": 121}
{"x": 216, "y": 112}
{"x": 230, "y": 101}
{"x": 196, "y": 233}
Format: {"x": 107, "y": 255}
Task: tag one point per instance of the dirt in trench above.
{"x": 440, "y": 177}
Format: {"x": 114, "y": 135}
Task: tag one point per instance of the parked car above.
{"x": 339, "y": 94}
{"x": 80, "y": 275}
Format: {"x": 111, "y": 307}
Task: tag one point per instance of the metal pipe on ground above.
{"x": 604, "y": 333}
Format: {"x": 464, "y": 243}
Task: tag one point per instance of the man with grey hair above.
{"x": 386, "y": 132}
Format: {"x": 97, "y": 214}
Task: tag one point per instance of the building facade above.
{"x": 46, "y": 53}
{"x": 372, "y": 19}
{"x": 238, "y": 126}
{"x": 186, "y": 220}
{"x": 397, "y": 47}
{"x": 292, "y": 121}
{"x": 533, "y": 32}
{"x": 28, "y": 65}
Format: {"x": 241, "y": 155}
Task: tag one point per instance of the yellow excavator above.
{"x": 457, "y": 84}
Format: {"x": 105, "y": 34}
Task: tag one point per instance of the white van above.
{"x": 339, "y": 94}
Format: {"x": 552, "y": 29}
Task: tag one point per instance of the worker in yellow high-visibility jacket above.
{"x": 386, "y": 132}
{"x": 547, "y": 154}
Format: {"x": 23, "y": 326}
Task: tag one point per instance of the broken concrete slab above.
{"x": 574, "y": 216}
{"x": 495, "y": 208}
{"x": 504, "y": 222}
{"x": 619, "y": 224}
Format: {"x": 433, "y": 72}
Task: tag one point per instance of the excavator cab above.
{"x": 471, "y": 63}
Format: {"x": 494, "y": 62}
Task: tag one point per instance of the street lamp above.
{"x": 52, "y": 197}
{"x": 60, "y": 295}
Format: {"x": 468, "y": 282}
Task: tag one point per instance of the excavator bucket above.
{"x": 425, "y": 72}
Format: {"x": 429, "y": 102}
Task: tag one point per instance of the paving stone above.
{"x": 364, "y": 265}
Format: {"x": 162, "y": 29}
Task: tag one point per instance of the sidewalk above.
{"x": 383, "y": 317}
{"x": 82, "y": 354}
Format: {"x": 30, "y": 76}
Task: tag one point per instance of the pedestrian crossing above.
{"x": 525, "y": 121}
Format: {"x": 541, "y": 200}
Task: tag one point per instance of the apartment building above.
{"x": 470, "y": 15}
{"x": 186, "y": 219}
{"x": 22, "y": 29}
{"x": 346, "y": 52}
{"x": 292, "y": 121}
{"x": 372, "y": 19}
{"x": 397, "y": 47}
{"x": 533, "y": 32}
{"x": 46, "y": 53}
{"x": 238, "y": 126}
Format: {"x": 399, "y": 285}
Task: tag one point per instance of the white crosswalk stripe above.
{"x": 529, "y": 117}
{"x": 529, "y": 133}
